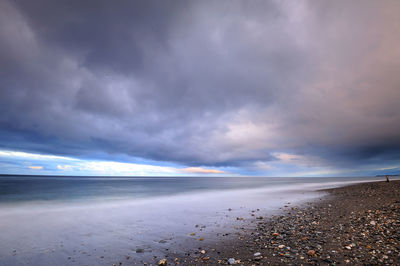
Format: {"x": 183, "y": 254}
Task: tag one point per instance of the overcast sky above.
{"x": 274, "y": 88}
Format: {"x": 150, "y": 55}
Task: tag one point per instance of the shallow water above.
{"x": 100, "y": 221}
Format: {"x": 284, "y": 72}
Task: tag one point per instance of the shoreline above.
{"x": 206, "y": 228}
{"x": 354, "y": 224}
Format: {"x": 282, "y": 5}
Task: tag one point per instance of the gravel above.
{"x": 357, "y": 224}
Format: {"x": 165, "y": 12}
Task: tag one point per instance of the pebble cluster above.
{"x": 355, "y": 225}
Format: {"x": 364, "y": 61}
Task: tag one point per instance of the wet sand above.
{"x": 356, "y": 224}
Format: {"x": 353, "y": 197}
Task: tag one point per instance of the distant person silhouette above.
{"x": 387, "y": 178}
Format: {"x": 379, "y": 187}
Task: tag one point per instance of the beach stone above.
{"x": 311, "y": 252}
{"x": 162, "y": 262}
{"x": 257, "y": 254}
{"x": 231, "y": 261}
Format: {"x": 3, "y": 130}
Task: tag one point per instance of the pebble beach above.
{"x": 355, "y": 225}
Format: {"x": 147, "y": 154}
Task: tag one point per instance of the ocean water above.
{"x": 75, "y": 189}
{"x": 102, "y": 220}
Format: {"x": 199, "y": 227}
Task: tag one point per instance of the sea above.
{"x": 70, "y": 220}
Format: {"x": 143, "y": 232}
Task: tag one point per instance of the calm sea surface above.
{"x": 39, "y": 188}
{"x": 102, "y": 220}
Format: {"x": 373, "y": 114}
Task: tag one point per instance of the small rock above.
{"x": 257, "y": 254}
{"x": 231, "y": 261}
{"x": 162, "y": 262}
{"x": 311, "y": 252}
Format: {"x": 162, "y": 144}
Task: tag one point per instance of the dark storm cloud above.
{"x": 202, "y": 82}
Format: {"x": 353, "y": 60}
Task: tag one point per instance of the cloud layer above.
{"x": 250, "y": 85}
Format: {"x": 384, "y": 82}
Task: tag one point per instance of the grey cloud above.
{"x": 201, "y": 83}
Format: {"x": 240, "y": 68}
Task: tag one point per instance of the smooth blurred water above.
{"x": 61, "y": 188}
{"x": 100, "y": 221}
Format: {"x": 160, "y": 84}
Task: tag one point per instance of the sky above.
{"x": 263, "y": 88}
